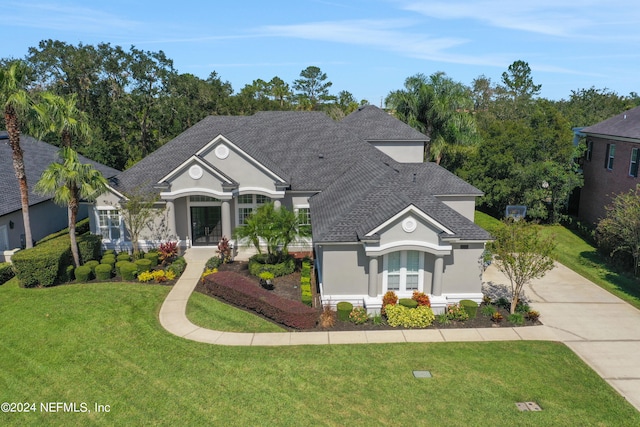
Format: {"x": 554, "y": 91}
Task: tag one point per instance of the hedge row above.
{"x": 305, "y": 283}
{"x": 6, "y": 272}
{"x": 241, "y": 291}
{"x": 47, "y": 263}
{"x": 257, "y": 264}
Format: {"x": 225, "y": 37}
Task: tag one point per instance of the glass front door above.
{"x": 206, "y": 225}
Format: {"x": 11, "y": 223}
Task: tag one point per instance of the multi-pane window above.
{"x": 198, "y": 198}
{"x": 589, "y": 151}
{"x": 109, "y": 224}
{"x": 403, "y": 270}
{"x": 611, "y": 153}
{"x": 247, "y": 204}
{"x": 304, "y": 216}
{"x": 633, "y": 164}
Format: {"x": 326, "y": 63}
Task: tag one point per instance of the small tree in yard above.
{"x": 276, "y": 227}
{"x": 619, "y": 231}
{"x": 138, "y": 212}
{"x": 521, "y": 254}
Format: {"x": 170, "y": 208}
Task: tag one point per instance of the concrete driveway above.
{"x": 600, "y": 328}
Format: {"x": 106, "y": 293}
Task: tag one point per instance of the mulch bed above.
{"x": 289, "y": 287}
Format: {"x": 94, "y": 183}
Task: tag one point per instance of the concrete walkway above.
{"x": 600, "y": 328}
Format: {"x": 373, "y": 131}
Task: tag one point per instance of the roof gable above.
{"x": 624, "y": 125}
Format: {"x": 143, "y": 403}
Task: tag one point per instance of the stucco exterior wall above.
{"x": 424, "y": 232}
{"x": 601, "y": 184}
{"x": 464, "y": 205}
{"x": 345, "y": 269}
{"x": 462, "y": 270}
{"x": 207, "y": 183}
{"x": 402, "y": 151}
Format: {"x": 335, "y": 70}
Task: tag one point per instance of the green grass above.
{"x": 583, "y": 258}
{"x": 210, "y": 313}
{"x": 102, "y": 343}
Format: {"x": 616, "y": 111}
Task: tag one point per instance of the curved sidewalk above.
{"x": 173, "y": 318}
{"x": 599, "y": 327}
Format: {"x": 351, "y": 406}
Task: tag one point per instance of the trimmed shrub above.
{"x": 153, "y": 257}
{"x": 44, "y": 264}
{"x": 103, "y": 271}
{"x": 83, "y": 273}
{"x": 471, "y": 307}
{"x": 123, "y": 257}
{"x": 178, "y": 266}
{"x": 118, "y": 265}
{"x": 305, "y": 283}
{"x": 6, "y": 272}
{"x": 241, "y": 291}
{"x": 89, "y": 247}
{"x": 408, "y": 302}
{"x": 419, "y": 317}
{"x": 67, "y": 274}
{"x": 109, "y": 252}
{"x": 143, "y": 265}
{"x": 92, "y": 265}
{"x": 344, "y": 308}
{"x": 128, "y": 270}
{"x": 213, "y": 262}
{"x": 257, "y": 264}
{"x": 108, "y": 260}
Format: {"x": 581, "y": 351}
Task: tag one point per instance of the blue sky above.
{"x": 368, "y": 47}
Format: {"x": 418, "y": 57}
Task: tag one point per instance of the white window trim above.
{"x": 631, "y": 162}
{"x": 99, "y": 228}
{"x": 296, "y": 210}
{"x": 611, "y": 156}
{"x": 253, "y": 205}
{"x": 403, "y": 292}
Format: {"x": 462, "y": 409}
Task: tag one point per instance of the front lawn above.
{"x": 102, "y": 343}
{"x": 583, "y": 258}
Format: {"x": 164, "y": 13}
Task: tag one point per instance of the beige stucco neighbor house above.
{"x": 381, "y": 219}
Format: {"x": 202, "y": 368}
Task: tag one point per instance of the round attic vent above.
{"x": 222, "y": 151}
{"x": 195, "y": 172}
{"x": 409, "y": 225}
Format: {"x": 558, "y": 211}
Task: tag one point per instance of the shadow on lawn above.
{"x": 621, "y": 281}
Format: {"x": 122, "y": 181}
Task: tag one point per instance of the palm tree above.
{"x": 69, "y": 182}
{"x": 16, "y": 103}
{"x": 61, "y": 116}
{"x": 438, "y": 107}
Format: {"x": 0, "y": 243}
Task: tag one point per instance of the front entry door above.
{"x": 206, "y": 225}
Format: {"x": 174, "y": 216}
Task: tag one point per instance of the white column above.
{"x": 171, "y": 216}
{"x": 373, "y": 276}
{"x": 226, "y": 219}
{"x": 438, "y": 265}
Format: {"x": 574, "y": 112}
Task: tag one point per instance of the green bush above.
{"x": 213, "y": 262}
{"x": 103, "y": 271}
{"x": 487, "y": 310}
{"x": 89, "y": 247}
{"x": 83, "y": 273}
{"x": 109, "y": 252}
{"x": 128, "y": 271}
{"x": 456, "y": 312}
{"x": 67, "y": 274}
{"x": 408, "y": 302}
{"x": 516, "y": 319}
{"x": 343, "y": 309}
{"x": 143, "y": 264}
{"x": 153, "y": 257}
{"x": 118, "y": 265}
{"x": 92, "y": 265}
{"x": 108, "y": 260}
{"x": 123, "y": 256}
{"x": 257, "y": 264}
{"x": 6, "y": 272}
{"x": 419, "y": 317}
{"x": 177, "y": 267}
{"x": 44, "y": 264}
{"x": 471, "y": 307}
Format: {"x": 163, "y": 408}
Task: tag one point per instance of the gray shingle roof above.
{"x": 626, "y": 125}
{"x": 360, "y": 186}
{"x": 374, "y": 124}
{"x": 37, "y": 156}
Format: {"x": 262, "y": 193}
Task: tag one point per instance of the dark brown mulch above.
{"x": 289, "y": 287}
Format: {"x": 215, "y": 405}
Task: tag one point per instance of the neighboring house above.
{"x": 379, "y": 221}
{"x": 45, "y": 216}
{"x": 610, "y": 163}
